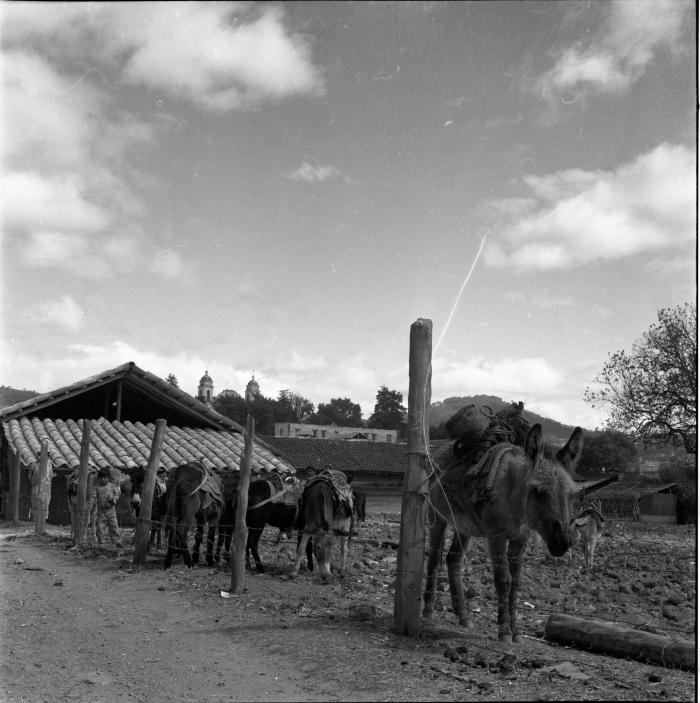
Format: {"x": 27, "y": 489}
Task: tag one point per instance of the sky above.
{"x": 283, "y": 189}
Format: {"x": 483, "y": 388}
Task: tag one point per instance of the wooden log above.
{"x": 143, "y": 524}
{"x": 80, "y": 517}
{"x": 13, "y": 508}
{"x": 240, "y": 530}
{"x": 621, "y": 641}
{"x": 411, "y": 554}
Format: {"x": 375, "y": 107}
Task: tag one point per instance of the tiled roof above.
{"x": 127, "y": 445}
{"x": 144, "y": 396}
{"x": 359, "y": 457}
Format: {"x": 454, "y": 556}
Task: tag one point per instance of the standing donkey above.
{"x": 518, "y": 490}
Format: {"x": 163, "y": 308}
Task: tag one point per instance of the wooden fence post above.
{"x": 79, "y": 514}
{"x": 13, "y": 507}
{"x": 40, "y": 494}
{"x": 411, "y": 556}
{"x": 143, "y": 524}
{"x": 240, "y": 530}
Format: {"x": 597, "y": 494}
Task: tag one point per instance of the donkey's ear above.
{"x": 570, "y": 453}
{"x": 534, "y": 444}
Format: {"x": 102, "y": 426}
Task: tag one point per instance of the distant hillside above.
{"x": 441, "y": 411}
{"x": 10, "y": 396}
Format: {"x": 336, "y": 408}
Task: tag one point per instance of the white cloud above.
{"x": 632, "y": 34}
{"x": 81, "y": 255}
{"x": 577, "y": 216}
{"x": 313, "y": 174}
{"x": 240, "y": 63}
{"x": 223, "y": 56}
{"x": 31, "y": 201}
{"x": 65, "y": 313}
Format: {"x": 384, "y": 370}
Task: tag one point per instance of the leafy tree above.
{"x": 389, "y": 413}
{"x": 232, "y": 407}
{"x": 607, "y": 450}
{"x": 172, "y": 380}
{"x": 341, "y": 411}
{"x": 652, "y": 390}
{"x": 292, "y": 407}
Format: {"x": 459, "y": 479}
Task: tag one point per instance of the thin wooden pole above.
{"x": 79, "y": 515}
{"x": 14, "y": 488}
{"x": 143, "y": 524}
{"x": 40, "y": 490}
{"x": 411, "y": 555}
{"x": 240, "y": 531}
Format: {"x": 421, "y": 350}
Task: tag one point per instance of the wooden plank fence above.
{"x": 660, "y": 507}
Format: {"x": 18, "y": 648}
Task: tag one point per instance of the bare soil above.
{"x": 85, "y": 625}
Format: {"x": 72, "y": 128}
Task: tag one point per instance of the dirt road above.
{"x": 85, "y": 626}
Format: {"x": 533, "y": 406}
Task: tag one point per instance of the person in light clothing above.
{"x": 106, "y": 495}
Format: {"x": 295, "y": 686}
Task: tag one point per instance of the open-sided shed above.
{"x": 122, "y": 405}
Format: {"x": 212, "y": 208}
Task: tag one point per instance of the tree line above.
{"x": 289, "y": 406}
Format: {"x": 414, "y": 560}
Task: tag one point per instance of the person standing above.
{"x": 106, "y": 495}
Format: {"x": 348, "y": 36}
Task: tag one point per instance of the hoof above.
{"x": 518, "y": 638}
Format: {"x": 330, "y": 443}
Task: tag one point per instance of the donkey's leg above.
{"x": 501, "y": 577}
{"x": 437, "y": 534}
{"x": 254, "y": 535}
{"x": 304, "y": 538}
{"x": 516, "y": 553}
{"x": 344, "y": 547}
{"x": 211, "y": 535}
{"x": 198, "y": 537}
{"x": 170, "y": 538}
{"x": 455, "y": 570}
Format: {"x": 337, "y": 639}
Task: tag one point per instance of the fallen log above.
{"x": 621, "y": 641}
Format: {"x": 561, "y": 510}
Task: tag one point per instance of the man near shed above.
{"x": 106, "y": 495}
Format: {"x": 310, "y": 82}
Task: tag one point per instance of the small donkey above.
{"x": 587, "y": 529}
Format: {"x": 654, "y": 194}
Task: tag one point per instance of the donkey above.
{"x": 158, "y": 506}
{"x": 325, "y": 512}
{"x": 525, "y": 490}
{"x": 261, "y": 511}
{"x": 90, "y": 503}
{"x": 588, "y": 527}
{"x": 193, "y": 494}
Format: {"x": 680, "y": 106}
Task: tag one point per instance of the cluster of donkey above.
{"x": 518, "y": 486}
{"x": 192, "y": 496}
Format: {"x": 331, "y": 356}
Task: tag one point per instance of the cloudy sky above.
{"x": 285, "y": 188}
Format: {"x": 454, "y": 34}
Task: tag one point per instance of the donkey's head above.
{"x": 549, "y": 488}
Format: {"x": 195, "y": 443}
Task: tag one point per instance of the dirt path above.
{"x": 85, "y": 626}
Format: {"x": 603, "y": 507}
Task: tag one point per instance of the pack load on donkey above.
{"x": 476, "y": 432}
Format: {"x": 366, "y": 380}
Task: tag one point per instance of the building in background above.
{"x": 301, "y": 430}
{"x": 252, "y": 390}
{"x": 205, "y": 390}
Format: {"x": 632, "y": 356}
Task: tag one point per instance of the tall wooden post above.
{"x": 80, "y": 513}
{"x": 41, "y": 493}
{"x": 13, "y": 507}
{"x": 240, "y": 530}
{"x": 143, "y": 524}
{"x": 411, "y": 555}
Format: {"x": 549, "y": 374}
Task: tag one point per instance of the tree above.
{"x": 652, "y": 390}
{"x": 607, "y": 450}
{"x": 341, "y": 411}
{"x": 232, "y": 407}
{"x": 172, "y": 380}
{"x": 292, "y": 407}
{"x": 389, "y": 413}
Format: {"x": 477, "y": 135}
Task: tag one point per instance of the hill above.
{"x": 441, "y": 411}
{"x": 10, "y": 396}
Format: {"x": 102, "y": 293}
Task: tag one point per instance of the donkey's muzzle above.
{"x": 558, "y": 542}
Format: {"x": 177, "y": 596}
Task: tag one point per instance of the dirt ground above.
{"x": 88, "y": 626}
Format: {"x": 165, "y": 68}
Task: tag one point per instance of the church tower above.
{"x": 252, "y": 390}
{"x": 205, "y": 391}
